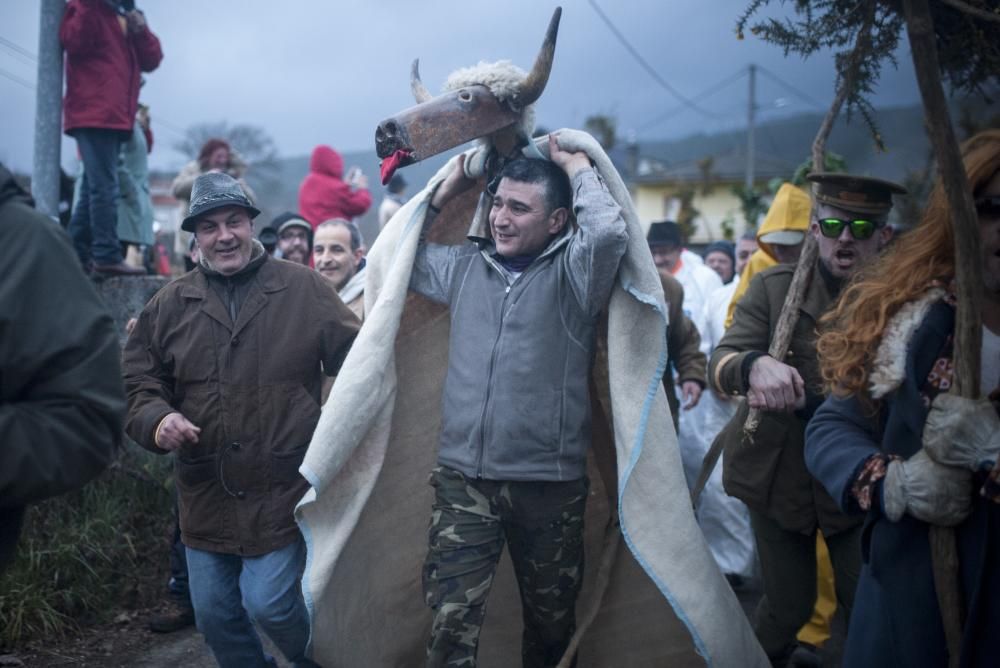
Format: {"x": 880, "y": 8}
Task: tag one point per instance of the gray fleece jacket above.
{"x": 516, "y": 404}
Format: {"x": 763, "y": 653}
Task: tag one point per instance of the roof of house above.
{"x": 725, "y": 167}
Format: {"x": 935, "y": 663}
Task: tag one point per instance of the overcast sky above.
{"x": 313, "y": 72}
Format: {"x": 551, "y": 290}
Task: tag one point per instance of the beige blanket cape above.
{"x": 655, "y": 598}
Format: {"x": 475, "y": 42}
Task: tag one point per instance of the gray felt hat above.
{"x": 213, "y": 191}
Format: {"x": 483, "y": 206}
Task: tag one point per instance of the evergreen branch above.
{"x": 847, "y": 81}
{"x": 741, "y": 22}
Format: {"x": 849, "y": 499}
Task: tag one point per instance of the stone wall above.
{"x": 125, "y": 297}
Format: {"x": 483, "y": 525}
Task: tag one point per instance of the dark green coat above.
{"x": 770, "y": 475}
{"x": 62, "y": 403}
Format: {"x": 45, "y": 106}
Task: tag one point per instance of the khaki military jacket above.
{"x": 769, "y": 474}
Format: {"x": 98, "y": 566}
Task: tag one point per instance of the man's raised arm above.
{"x": 601, "y": 239}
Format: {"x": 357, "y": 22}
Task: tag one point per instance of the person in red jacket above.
{"x": 324, "y": 194}
{"x": 107, "y": 45}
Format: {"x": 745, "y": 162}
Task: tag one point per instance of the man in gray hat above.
{"x": 223, "y": 368}
{"x": 295, "y": 237}
{"x": 787, "y": 506}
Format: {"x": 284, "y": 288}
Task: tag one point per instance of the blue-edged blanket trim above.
{"x": 654, "y": 385}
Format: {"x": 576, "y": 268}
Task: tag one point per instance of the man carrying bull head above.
{"x": 511, "y": 463}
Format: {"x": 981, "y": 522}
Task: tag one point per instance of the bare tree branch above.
{"x": 802, "y": 277}
{"x": 966, "y": 8}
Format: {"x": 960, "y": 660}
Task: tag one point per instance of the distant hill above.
{"x": 789, "y": 141}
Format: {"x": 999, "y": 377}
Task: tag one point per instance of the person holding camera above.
{"x": 326, "y": 194}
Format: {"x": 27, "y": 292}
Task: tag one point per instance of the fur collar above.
{"x": 889, "y": 367}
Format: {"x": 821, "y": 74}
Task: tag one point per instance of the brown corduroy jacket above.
{"x": 683, "y": 343}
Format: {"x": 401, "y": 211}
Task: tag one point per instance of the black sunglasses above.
{"x": 988, "y": 207}
{"x": 860, "y": 229}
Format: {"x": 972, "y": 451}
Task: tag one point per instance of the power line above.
{"x": 168, "y": 127}
{"x": 646, "y": 66}
{"x": 25, "y": 53}
{"x": 16, "y": 79}
{"x": 20, "y": 50}
{"x": 795, "y": 91}
{"x": 700, "y": 96}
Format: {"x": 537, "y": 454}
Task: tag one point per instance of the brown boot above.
{"x": 175, "y": 617}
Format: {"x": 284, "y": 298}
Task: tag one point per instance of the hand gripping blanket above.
{"x": 652, "y": 594}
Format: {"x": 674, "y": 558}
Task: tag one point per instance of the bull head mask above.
{"x": 439, "y": 123}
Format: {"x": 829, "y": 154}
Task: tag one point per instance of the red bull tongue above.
{"x": 400, "y": 158}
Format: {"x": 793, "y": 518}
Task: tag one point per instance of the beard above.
{"x": 296, "y": 255}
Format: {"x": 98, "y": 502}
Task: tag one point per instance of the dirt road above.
{"x": 128, "y": 644}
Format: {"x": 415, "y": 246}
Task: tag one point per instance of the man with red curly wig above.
{"x": 893, "y": 446}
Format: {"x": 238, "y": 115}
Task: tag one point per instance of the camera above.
{"x": 268, "y": 239}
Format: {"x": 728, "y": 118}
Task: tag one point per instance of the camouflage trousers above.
{"x": 542, "y": 524}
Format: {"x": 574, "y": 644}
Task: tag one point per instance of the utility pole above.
{"x": 751, "y": 111}
{"x": 48, "y": 110}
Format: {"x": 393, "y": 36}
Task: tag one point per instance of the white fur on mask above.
{"x": 503, "y": 78}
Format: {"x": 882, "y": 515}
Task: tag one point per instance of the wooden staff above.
{"x": 969, "y": 280}
{"x": 789, "y": 315}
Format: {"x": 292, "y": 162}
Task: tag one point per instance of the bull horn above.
{"x": 532, "y": 87}
{"x": 420, "y": 92}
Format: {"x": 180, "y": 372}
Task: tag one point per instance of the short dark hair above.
{"x": 356, "y": 238}
{"x": 664, "y": 233}
{"x": 558, "y": 193}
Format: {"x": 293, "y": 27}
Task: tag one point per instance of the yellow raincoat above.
{"x": 789, "y": 212}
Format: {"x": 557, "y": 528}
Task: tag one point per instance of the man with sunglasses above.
{"x": 849, "y": 233}
{"x": 787, "y": 506}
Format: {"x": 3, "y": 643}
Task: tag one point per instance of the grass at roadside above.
{"x": 86, "y": 556}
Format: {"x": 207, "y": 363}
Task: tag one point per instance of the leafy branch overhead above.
{"x": 968, "y": 43}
